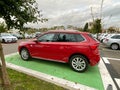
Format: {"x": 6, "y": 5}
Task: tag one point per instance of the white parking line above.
{"x": 113, "y": 58}
{"x": 106, "y": 60}
{"x": 117, "y": 81}
{"x": 106, "y": 78}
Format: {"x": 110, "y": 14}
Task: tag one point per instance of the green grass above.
{"x": 91, "y": 77}
{"x": 20, "y": 81}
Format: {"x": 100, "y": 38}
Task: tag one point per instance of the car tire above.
{"x": 114, "y": 46}
{"x": 24, "y": 53}
{"x": 102, "y": 41}
{"x": 78, "y": 63}
{"x": 3, "y": 41}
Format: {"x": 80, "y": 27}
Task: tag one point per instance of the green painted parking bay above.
{"x": 91, "y": 77}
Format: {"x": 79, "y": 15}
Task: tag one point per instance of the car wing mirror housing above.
{"x": 36, "y": 40}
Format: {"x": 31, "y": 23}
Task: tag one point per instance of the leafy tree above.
{"x": 96, "y": 27}
{"x": 85, "y": 27}
{"x": 70, "y": 27}
{"x": 111, "y": 29}
{"x": 16, "y": 13}
{"x": 2, "y": 27}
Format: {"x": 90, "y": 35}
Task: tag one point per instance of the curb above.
{"x": 106, "y": 78}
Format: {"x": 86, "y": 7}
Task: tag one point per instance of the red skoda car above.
{"x": 69, "y": 46}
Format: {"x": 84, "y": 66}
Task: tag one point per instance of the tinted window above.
{"x": 116, "y": 37}
{"x": 62, "y": 37}
{"x": 79, "y": 38}
{"x": 46, "y": 38}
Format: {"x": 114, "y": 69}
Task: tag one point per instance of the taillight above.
{"x": 93, "y": 47}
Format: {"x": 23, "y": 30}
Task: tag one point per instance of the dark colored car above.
{"x": 69, "y": 46}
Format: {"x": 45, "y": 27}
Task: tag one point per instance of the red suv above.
{"x": 69, "y": 46}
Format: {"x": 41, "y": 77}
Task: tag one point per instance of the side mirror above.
{"x": 36, "y": 41}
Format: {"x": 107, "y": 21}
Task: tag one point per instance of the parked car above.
{"x": 37, "y": 34}
{"x": 17, "y": 35}
{"x": 7, "y": 37}
{"x": 69, "y": 46}
{"x": 27, "y": 36}
{"x": 102, "y": 37}
{"x": 109, "y": 35}
{"x": 113, "y": 41}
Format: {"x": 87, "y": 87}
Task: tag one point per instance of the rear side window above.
{"x": 65, "y": 37}
{"x": 79, "y": 38}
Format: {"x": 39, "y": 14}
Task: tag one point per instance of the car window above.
{"x": 46, "y": 37}
{"x": 116, "y": 37}
{"x": 79, "y": 38}
{"x": 62, "y": 37}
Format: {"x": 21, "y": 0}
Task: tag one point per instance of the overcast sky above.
{"x": 78, "y": 12}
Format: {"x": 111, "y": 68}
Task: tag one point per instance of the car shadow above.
{"x": 47, "y": 62}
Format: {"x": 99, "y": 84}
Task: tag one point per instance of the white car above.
{"x": 103, "y": 37}
{"x": 6, "y": 37}
{"x": 113, "y": 41}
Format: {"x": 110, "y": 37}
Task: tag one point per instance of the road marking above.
{"x": 112, "y": 58}
{"x": 110, "y": 50}
{"x": 106, "y": 60}
{"x": 106, "y": 78}
{"x": 117, "y": 81}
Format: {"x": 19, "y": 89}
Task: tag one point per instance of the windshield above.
{"x": 5, "y": 34}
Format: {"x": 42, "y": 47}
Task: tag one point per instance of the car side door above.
{"x": 43, "y": 46}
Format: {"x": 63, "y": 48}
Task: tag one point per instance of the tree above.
{"x": 70, "y": 27}
{"x": 16, "y": 13}
{"x": 111, "y": 29}
{"x": 3, "y": 72}
{"x": 96, "y": 27}
{"x": 2, "y": 27}
{"x": 85, "y": 27}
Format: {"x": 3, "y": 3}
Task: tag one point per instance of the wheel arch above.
{"x": 78, "y": 54}
{"x": 115, "y": 43}
{"x": 3, "y": 40}
{"x": 22, "y": 48}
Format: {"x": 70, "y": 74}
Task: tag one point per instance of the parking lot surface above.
{"x": 112, "y": 62}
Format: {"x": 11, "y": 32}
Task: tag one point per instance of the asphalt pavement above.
{"x": 111, "y": 59}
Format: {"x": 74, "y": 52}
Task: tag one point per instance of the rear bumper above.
{"x": 94, "y": 60}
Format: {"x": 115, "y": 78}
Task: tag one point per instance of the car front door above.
{"x": 42, "y": 48}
